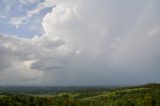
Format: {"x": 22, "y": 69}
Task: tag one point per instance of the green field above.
{"x": 146, "y": 95}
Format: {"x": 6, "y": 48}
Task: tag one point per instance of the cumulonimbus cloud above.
{"x": 91, "y": 43}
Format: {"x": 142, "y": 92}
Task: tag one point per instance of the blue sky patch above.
{"x": 15, "y": 9}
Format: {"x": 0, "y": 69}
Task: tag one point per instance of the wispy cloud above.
{"x": 26, "y": 2}
{"x": 18, "y": 21}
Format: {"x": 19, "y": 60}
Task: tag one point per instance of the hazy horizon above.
{"x": 79, "y": 42}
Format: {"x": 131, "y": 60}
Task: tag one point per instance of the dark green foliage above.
{"x": 147, "y": 95}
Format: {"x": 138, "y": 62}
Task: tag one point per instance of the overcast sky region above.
{"x": 79, "y": 42}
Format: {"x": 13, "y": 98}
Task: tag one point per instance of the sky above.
{"x": 79, "y": 42}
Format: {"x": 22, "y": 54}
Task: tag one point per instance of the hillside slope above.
{"x": 146, "y": 95}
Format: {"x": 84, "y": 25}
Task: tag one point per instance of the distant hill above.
{"x": 143, "y": 95}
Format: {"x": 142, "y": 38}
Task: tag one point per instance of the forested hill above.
{"x": 144, "y": 95}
